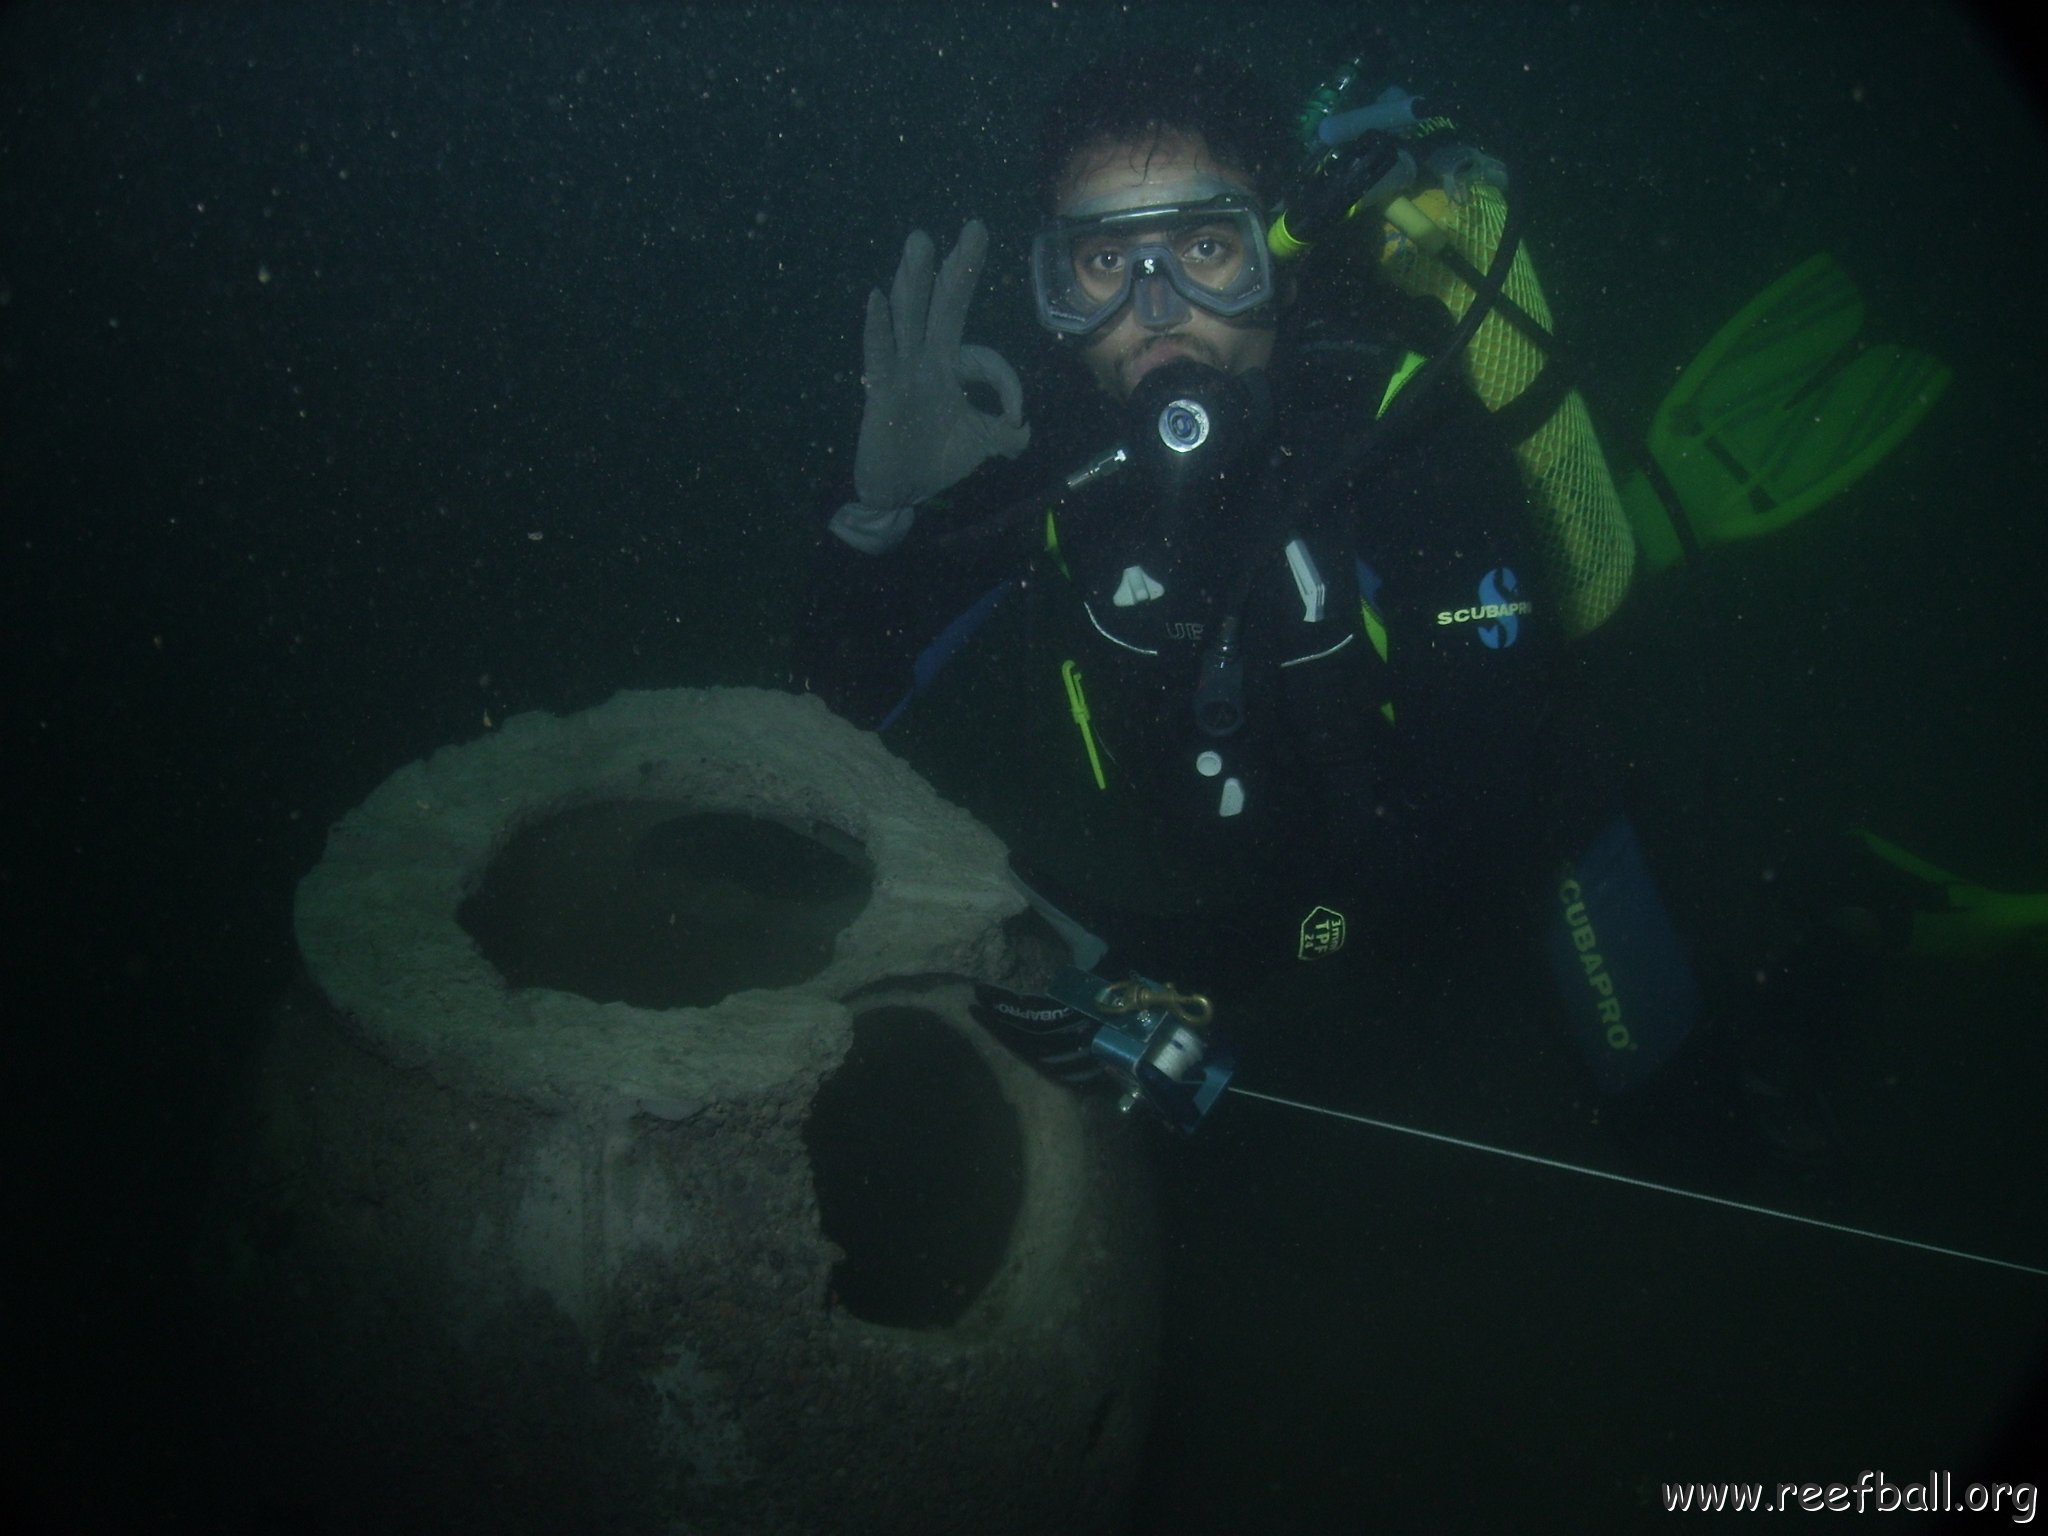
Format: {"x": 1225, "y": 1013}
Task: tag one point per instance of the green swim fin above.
{"x": 1784, "y": 408}
{"x": 1959, "y": 918}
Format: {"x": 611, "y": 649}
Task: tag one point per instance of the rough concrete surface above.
{"x": 513, "y": 1260}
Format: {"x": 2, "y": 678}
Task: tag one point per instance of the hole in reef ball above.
{"x": 918, "y": 1162}
{"x": 663, "y": 907}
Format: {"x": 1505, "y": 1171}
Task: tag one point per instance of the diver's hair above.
{"x": 1140, "y": 95}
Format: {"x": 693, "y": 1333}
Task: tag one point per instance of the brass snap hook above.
{"x": 1135, "y": 996}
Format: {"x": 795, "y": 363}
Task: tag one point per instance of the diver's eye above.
{"x": 1208, "y": 248}
{"x": 1105, "y": 261}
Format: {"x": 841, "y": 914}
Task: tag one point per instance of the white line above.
{"x": 1622, "y": 1178}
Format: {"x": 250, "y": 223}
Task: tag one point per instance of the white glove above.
{"x": 919, "y": 433}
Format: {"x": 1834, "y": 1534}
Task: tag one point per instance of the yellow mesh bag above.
{"x": 1583, "y": 534}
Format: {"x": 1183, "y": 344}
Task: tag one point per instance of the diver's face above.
{"x": 1153, "y": 171}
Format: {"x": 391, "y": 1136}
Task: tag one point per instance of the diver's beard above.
{"x": 1195, "y": 348}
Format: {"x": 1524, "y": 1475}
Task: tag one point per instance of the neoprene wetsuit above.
{"x": 1389, "y": 788}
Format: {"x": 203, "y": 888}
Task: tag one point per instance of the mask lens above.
{"x": 1102, "y": 270}
{"x": 1211, "y": 255}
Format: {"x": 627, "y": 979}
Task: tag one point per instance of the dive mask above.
{"x": 1209, "y": 252}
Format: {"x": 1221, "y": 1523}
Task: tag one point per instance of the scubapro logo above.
{"x": 1599, "y": 979}
{"x": 1498, "y": 611}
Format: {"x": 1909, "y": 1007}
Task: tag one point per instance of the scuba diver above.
{"x": 1283, "y": 580}
{"x": 1269, "y": 560}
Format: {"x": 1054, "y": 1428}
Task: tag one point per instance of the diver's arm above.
{"x": 868, "y": 615}
{"x": 880, "y": 585}
{"x": 851, "y": 636}
{"x": 1476, "y": 654}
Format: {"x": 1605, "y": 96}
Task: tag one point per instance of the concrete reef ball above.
{"x": 632, "y": 1162}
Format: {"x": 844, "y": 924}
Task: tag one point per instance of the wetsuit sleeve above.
{"x": 1474, "y": 658}
{"x": 867, "y": 617}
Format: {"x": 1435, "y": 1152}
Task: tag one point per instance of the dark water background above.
{"x": 371, "y": 372}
